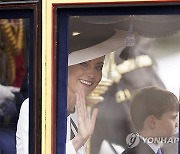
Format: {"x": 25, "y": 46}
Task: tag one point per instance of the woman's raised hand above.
{"x": 86, "y": 123}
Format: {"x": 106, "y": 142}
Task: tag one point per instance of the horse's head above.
{"x": 114, "y": 121}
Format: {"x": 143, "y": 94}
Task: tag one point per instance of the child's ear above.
{"x": 151, "y": 121}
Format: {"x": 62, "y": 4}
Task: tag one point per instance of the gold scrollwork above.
{"x": 12, "y": 44}
{"x": 122, "y": 95}
{"x": 132, "y": 64}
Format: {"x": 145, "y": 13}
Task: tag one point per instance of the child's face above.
{"x": 167, "y": 125}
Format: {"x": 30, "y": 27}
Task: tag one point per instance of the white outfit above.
{"x": 22, "y": 134}
{"x": 22, "y": 138}
{"x": 69, "y": 146}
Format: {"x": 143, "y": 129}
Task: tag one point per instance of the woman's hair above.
{"x": 151, "y": 101}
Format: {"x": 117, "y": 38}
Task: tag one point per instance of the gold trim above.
{"x": 46, "y": 75}
{"x": 132, "y": 64}
{"x": 122, "y": 95}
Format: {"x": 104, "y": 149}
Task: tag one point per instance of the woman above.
{"x": 87, "y": 51}
{"x": 83, "y": 78}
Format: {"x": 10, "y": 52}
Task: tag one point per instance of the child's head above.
{"x": 155, "y": 109}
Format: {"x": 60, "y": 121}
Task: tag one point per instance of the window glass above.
{"x": 14, "y": 62}
{"x": 146, "y": 55}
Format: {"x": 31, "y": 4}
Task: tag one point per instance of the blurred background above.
{"x": 151, "y": 57}
{"x": 166, "y": 51}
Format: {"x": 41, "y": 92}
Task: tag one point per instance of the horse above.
{"x": 113, "y": 122}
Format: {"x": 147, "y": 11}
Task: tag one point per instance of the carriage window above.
{"x": 14, "y": 62}
{"x": 141, "y": 50}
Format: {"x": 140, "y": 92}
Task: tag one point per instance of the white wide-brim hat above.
{"x": 90, "y": 41}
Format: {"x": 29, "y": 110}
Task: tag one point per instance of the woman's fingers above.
{"x": 78, "y": 105}
{"x": 94, "y": 116}
{"x": 86, "y": 122}
{"x": 81, "y": 104}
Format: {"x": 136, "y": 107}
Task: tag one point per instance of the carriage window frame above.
{"x": 61, "y": 15}
{"x": 17, "y": 1}
{"x": 28, "y": 10}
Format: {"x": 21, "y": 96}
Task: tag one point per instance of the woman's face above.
{"x": 85, "y": 76}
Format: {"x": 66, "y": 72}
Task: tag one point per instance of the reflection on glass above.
{"x": 129, "y": 67}
{"x": 14, "y": 51}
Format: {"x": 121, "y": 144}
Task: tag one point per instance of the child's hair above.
{"x": 151, "y": 101}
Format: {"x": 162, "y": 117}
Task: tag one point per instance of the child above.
{"x": 154, "y": 113}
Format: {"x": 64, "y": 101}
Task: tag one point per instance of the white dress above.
{"x": 22, "y": 138}
{"x": 22, "y": 134}
{"x": 69, "y": 146}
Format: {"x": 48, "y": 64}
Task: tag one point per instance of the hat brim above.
{"x": 117, "y": 41}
